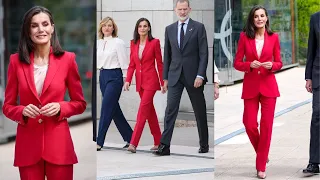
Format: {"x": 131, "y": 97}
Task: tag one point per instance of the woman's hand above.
{"x": 126, "y": 86}
{"x": 31, "y": 111}
{"x": 50, "y": 109}
{"x": 267, "y": 65}
{"x": 216, "y": 91}
{"x": 255, "y": 64}
{"x": 163, "y": 91}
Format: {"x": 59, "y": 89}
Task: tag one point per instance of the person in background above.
{"x": 112, "y": 61}
{"x": 39, "y": 75}
{"x": 312, "y": 76}
{"x": 185, "y": 66}
{"x": 145, "y": 55}
{"x": 261, "y": 47}
{"x": 216, "y": 81}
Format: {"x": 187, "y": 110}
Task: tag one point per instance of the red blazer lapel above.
{"x": 28, "y": 72}
{"x": 146, "y": 48}
{"x": 265, "y": 43}
{"x": 252, "y": 43}
{"x": 52, "y": 69}
{"x": 136, "y": 49}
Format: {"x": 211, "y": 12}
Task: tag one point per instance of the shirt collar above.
{"x": 186, "y": 22}
{"x": 107, "y": 38}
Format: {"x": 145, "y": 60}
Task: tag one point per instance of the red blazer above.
{"x": 49, "y": 139}
{"x": 258, "y": 80}
{"x": 146, "y": 74}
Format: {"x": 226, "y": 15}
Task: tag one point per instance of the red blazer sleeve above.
{"x": 77, "y": 104}
{"x": 132, "y": 64}
{"x": 159, "y": 62}
{"x": 277, "y": 63}
{"x": 238, "y": 62}
{"x": 10, "y": 108}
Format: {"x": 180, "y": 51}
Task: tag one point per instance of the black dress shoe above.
{"x": 311, "y": 169}
{"x": 204, "y": 149}
{"x": 163, "y": 150}
{"x": 126, "y": 146}
{"x": 98, "y": 149}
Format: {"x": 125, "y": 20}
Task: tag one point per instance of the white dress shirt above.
{"x": 184, "y": 29}
{"x": 112, "y": 54}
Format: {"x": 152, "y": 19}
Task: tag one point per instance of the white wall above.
{"x": 160, "y": 14}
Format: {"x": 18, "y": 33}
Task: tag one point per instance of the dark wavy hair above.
{"x": 250, "y": 28}
{"x": 26, "y": 45}
{"x": 136, "y": 35}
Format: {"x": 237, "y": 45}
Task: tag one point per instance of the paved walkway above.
{"x": 185, "y": 162}
{"x": 234, "y": 155}
{"x": 235, "y": 158}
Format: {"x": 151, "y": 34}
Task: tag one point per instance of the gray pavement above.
{"x": 234, "y": 155}
{"x": 185, "y": 162}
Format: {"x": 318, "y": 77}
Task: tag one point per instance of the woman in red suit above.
{"x": 39, "y": 75}
{"x": 144, "y": 50}
{"x": 261, "y": 48}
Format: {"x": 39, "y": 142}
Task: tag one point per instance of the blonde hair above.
{"x": 103, "y": 22}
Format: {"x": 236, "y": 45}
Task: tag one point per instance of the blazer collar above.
{"x": 145, "y": 50}
{"x": 190, "y": 29}
{"x": 29, "y": 73}
{"x": 253, "y": 45}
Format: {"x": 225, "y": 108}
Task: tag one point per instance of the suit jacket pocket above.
{"x": 316, "y": 61}
{"x": 173, "y": 66}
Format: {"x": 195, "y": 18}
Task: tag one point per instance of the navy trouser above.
{"x": 111, "y": 83}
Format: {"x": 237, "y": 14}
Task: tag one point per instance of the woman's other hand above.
{"x": 50, "y": 109}
{"x": 126, "y": 86}
{"x": 31, "y": 111}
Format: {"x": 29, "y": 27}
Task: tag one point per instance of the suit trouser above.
{"x": 199, "y": 106}
{"x": 111, "y": 83}
{"x": 314, "y": 150}
{"x": 146, "y": 111}
{"x": 51, "y": 171}
{"x": 260, "y": 141}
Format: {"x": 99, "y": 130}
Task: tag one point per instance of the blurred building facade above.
{"x": 160, "y": 13}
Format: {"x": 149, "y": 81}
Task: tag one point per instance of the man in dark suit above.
{"x": 312, "y": 75}
{"x": 185, "y": 64}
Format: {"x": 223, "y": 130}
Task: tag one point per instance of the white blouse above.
{"x": 141, "y": 48}
{"x": 111, "y": 54}
{"x": 39, "y": 77}
{"x": 259, "y": 46}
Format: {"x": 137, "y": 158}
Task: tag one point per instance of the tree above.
{"x": 305, "y": 10}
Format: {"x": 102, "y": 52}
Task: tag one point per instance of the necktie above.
{"x": 181, "y": 36}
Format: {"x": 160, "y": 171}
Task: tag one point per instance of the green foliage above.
{"x": 305, "y": 9}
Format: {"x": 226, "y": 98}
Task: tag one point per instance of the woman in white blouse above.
{"x": 112, "y": 61}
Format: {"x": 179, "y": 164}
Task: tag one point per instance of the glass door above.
{"x": 223, "y": 50}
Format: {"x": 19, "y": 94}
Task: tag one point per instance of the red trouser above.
{"x": 146, "y": 111}
{"x": 51, "y": 171}
{"x": 260, "y": 142}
